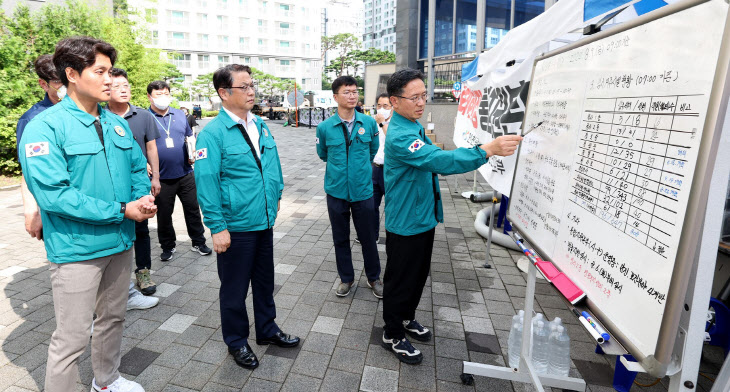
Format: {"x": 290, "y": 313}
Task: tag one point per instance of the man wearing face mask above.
{"x": 55, "y": 92}
{"x": 384, "y": 113}
{"x": 176, "y": 173}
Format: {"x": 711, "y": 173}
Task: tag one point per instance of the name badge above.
{"x": 169, "y": 143}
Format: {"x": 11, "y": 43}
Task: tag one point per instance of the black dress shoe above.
{"x": 245, "y": 357}
{"x": 280, "y": 339}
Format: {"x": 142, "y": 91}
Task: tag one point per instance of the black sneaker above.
{"x": 202, "y": 249}
{"x": 416, "y": 330}
{"x": 403, "y": 350}
{"x": 167, "y": 254}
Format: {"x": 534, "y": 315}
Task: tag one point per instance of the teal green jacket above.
{"x": 349, "y": 174}
{"x": 79, "y": 183}
{"x": 234, "y": 192}
{"x": 412, "y": 192}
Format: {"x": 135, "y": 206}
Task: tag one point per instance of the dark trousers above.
{"x": 249, "y": 259}
{"x": 184, "y": 188}
{"x": 363, "y": 216}
{"x": 142, "y": 255}
{"x": 378, "y": 193}
{"x": 409, "y": 261}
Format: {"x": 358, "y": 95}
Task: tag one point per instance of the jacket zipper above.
{"x": 261, "y": 171}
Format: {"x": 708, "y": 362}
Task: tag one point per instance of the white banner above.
{"x": 494, "y": 105}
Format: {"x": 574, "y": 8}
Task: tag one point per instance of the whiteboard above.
{"x": 601, "y": 187}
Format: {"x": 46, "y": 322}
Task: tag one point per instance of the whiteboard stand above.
{"x": 488, "y": 256}
{"x": 526, "y": 372}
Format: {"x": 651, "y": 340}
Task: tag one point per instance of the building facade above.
{"x": 281, "y": 38}
{"x": 379, "y": 24}
{"x": 341, "y": 17}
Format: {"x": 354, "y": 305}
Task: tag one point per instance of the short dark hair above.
{"x": 345, "y": 80}
{"x": 223, "y": 76}
{"x": 119, "y": 72}
{"x": 44, "y": 68}
{"x": 157, "y": 85}
{"x": 79, "y": 53}
{"x": 400, "y": 78}
{"x": 382, "y": 95}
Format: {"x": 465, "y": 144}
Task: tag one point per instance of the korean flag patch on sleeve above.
{"x": 416, "y": 145}
{"x": 201, "y": 154}
{"x": 316, "y": 140}
{"x": 36, "y": 149}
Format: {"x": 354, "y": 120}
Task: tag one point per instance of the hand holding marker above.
{"x": 532, "y": 129}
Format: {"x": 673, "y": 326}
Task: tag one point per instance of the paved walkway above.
{"x": 177, "y": 346}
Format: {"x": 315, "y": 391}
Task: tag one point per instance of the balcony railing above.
{"x": 181, "y": 63}
{"x": 179, "y": 42}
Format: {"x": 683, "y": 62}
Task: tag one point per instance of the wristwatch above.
{"x": 124, "y": 208}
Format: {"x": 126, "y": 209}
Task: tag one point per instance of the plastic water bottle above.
{"x": 514, "y": 342}
{"x": 540, "y": 347}
{"x": 556, "y": 321}
{"x": 559, "y": 356}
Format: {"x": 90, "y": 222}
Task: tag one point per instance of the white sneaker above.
{"x": 120, "y": 385}
{"x": 138, "y": 301}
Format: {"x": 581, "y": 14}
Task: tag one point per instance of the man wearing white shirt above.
{"x": 384, "y": 113}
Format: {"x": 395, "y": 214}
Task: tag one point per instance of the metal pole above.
{"x": 431, "y": 46}
{"x": 474, "y": 186}
{"x": 310, "y": 117}
{"x": 495, "y": 197}
{"x": 481, "y": 24}
{"x": 296, "y": 105}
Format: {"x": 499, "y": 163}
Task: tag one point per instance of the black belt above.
{"x": 377, "y": 165}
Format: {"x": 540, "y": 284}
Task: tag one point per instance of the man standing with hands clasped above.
{"x": 241, "y": 184}
{"x": 90, "y": 180}
{"x": 348, "y": 142}
{"x": 413, "y": 207}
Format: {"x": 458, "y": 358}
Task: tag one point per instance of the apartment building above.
{"x": 281, "y": 38}
{"x": 379, "y": 27}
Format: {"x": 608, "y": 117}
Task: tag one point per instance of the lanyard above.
{"x": 169, "y": 124}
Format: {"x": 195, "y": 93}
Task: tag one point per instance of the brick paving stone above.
{"x": 311, "y": 364}
{"x": 194, "y": 375}
{"x": 176, "y": 356}
{"x": 178, "y": 323}
{"x": 348, "y": 360}
{"x": 330, "y": 325}
{"x": 376, "y": 379}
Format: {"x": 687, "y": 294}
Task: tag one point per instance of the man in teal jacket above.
{"x": 90, "y": 181}
{"x": 413, "y": 207}
{"x": 239, "y": 181}
{"x": 348, "y": 143}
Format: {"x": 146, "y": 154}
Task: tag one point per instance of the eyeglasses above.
{"x": 385, "y": 106}
{"x": 245, "y": 88}
{"x": 416, "y": 98}
{"x": 118, "y": 87}
{"x": 348, "y": 93}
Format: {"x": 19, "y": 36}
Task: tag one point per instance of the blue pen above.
{"x": 597, "y": 327}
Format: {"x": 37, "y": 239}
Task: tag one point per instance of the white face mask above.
{"x": 384, "y": 112}
{"x": 61, "y": 92}
{"x": 162, "y": 102}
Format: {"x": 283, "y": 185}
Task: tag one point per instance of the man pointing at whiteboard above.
{"x": 413, "y": 206}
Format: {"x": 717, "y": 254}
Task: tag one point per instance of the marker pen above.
{"x": 592, "y": 331}
{"x": 532, "y": 129}
{"x": 595, "y": 325}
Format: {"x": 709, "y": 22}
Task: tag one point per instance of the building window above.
{"x": 283, "y": 44}
{"x": 180, "y": 60}
{"x": 285, "y": 62}
{"x": 223, "y": 59}
{"x": 203, "y": 61}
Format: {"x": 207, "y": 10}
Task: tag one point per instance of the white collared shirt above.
{"x": 250, "y": 125}
{"x": 380, "y": 156}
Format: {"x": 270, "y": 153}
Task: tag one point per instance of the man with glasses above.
{"x": 348, "y": 142}
{"x": 145, "y": 133}
{"x": 241, "y": 184}
{"x": 176, "y": 173}
{"x": 413, "y": 207}
{"x": 55, "y": 92}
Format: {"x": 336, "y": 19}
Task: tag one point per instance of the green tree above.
{"x": 343, "y": 44}
{"x": 25, "y": 36}
{"x": 203, "y": 86}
